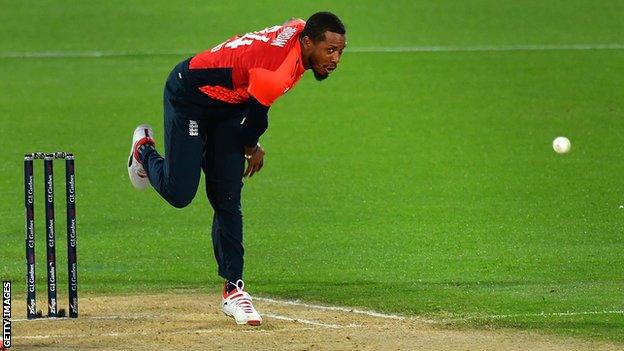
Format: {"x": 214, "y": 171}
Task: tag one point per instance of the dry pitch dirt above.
{"x": 193, "y": 321}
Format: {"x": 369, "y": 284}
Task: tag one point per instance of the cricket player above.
{"x": 216, "y": 107}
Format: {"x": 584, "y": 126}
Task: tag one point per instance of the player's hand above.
{"x": 255, "y": 159}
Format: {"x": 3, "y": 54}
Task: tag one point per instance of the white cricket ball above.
{"x": 561, "y": 145}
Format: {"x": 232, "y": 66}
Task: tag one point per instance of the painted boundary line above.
{"x": 367, "y": 49}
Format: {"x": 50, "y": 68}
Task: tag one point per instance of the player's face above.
{"x": 325, "y": 55}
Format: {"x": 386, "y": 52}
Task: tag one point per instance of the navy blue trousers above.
{"x": 201, "y": 133}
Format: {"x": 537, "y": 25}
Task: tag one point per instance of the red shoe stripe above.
{"x": 234, "y": 296}
{"x": 142, "y": 141}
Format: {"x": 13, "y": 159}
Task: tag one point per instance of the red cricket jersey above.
{"x": 264, "y": 64}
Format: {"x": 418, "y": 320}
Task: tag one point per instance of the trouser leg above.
{"x": 224, "y": 164}
{"x": 176, "y": 176}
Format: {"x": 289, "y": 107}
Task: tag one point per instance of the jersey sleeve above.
{"x": 255, "y": 123}
{"x": 266, "y": 86}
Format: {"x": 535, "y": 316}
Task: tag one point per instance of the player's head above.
{"x": 322, "y": 42}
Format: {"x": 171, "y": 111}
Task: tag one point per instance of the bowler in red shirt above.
{"x": 216, "y": 107}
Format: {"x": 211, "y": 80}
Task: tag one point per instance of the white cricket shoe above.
{"x": 143, "y": 134}
{"x": 237, "y": 304}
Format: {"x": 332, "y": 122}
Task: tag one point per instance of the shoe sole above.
{"x": 254, "y": 323}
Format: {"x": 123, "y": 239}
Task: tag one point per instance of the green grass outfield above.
{"x": 412, "y": 182}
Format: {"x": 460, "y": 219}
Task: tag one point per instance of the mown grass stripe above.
{"x": 367, "y": 49}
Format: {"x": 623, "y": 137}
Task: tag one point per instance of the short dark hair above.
{"x": 319, "y": 23}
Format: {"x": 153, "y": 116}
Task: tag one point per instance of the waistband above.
{"x": 182, "y": 88}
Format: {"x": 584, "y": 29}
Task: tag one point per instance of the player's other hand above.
{"x": 255, "y": 159}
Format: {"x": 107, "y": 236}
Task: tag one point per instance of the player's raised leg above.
{"x": 176, "y": 176}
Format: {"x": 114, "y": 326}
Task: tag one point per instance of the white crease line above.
{"x": 541, "y": 314}
{"x": 142, "y": 316}
{"x": 329, "y": 308}
{"x": 44, "y": 319}
{"x": 150, "y": 333}
{"x": 365, "y": 49}
{"x": 356, "y": 311}
{"x": 26, "y": 337}
{"x": 112, "y": 334}
{"x": 305, "y": 321}
{"x": 433, "y": 321}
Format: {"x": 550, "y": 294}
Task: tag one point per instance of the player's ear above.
{"x": 307, "y": 42}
